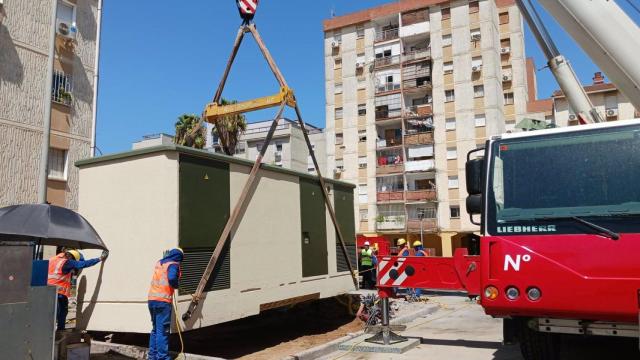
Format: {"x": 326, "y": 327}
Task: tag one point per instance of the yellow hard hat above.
{"x": 402, "y": 241}
{"x": 417, "y": 243}
{"x": 74, "y": 253}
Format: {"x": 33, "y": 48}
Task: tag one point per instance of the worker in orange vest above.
{"x": 61, "y": 268}
{"x": 166, "y": 278}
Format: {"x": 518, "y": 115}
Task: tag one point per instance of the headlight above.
{"x": 512, "y": 293}
{"x": 534, "y": 294}
{"x": 491, "y": 292}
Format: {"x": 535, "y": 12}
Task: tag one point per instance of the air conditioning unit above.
{"x": 475, "y": 37}
{"x": 338, "y": 171}
{"x": 359, "y": 65}
{"x": 476, "y": 68}
{"x": 573, "y": 117}
{"x": 335, "y": 44}
{"x": 505, "y": 50}
{"x": 612, "y": 112}
{"x": 506, "y": 77}
{"x": 66, "y": 29}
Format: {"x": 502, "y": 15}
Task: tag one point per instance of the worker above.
{"x": 166, "y": 278}
{"x": 418, "y": 250}
{"x": 404, "y": 249}
{"x": 366, "y": 265}
{"x": 61, "y": 268}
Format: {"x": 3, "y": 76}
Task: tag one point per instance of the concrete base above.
{"x": 358, "y": 344}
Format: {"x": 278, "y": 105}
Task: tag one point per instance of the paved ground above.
{"x": 460, "y": 330}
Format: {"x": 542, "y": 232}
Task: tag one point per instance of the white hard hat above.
{"x": 367, "y": 243}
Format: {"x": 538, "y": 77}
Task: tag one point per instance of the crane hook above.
{"x": 247, "y": 10}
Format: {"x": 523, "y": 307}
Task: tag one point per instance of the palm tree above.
{"x": 228, "y": 129}
{"x": 190, "y": 132}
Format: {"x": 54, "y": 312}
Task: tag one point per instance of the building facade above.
{"x": 605, "y": 97}
{"x": 287, "y": 148}
{"x": 153, "y": 140}
{"x": 411, "y": 88}
{"x": 24, "y": 48}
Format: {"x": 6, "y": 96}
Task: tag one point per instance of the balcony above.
{"x": 418, "y": 111}
{"x": 386, "y": 35}
{"x": 415, "y": 23}
{"x": 390, "y": 196}
{"x": 422, "y": 195}
{"x": 391, "y": 221}
{"x": 388, "y": 114}
{"x": 420, "y": 165}
{"x": 388, "y": 143}
{"x": 381, "y": 88}
{"x": 427, "y": 225}
{"x": 416, "y": 55}
{"x": 386, "y": 61}
{"x": 423, "y": 138}
{"x": 389, "y": 169}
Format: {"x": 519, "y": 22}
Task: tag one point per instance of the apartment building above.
{"x": 411, "y": 88}
{"x": 24, "y": 47}
{"x": 152, "y": 140}
{"x": 605, "y": 97}
{"x": 287, "y": 148}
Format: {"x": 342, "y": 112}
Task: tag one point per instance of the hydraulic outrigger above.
{"x": 215, "y": 110}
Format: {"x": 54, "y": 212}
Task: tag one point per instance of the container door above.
{"x": 343, "y": 205}
{"x": 203, "y": 213}
{"x": 314, "y": 229}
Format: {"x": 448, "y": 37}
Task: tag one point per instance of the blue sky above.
{"x": 159, "y": 60}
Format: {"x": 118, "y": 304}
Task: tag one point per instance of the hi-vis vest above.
{"x": 160, "y": 289}
{"x": 365, "y": 257}
{"x": 56, "y": 277}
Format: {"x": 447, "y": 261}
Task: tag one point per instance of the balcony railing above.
{"x": 61, "y": 88}
{"x": 422, "y": 195}
{"x": 265, "y": 129}
{"x": 390, "y": 169}
{"x": 419, "y": 54}
{"x": 387, "y": 196}
{"x": 419, "y": 138}
{"x": 387, "y": 87}
{"x": 388, "y": 114}
{"x": 420, "y": 165}
{"x": 386, "y": 35}
{"x": 386, "y": 61}
{"x": 385, "y": 143}
{"x": 427, "y": 225}
{"x": 418, "y": 111}
{"x": 391, "y": 221}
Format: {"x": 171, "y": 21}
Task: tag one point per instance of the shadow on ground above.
{"x": 255, "y": 333}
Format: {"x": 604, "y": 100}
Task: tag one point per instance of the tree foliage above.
{"x": 190, "y": 131}
{"x": 228, "y": 130}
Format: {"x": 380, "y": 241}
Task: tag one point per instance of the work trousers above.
{"x": 61, "y": 313}
{"x": 367, "y": 276}
{"x": 159, "y": 338}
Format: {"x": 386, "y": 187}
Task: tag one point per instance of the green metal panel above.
{"x": 314, "y": 229}
{"x": 203, "y": 213}
{"x": 343, "y": 205}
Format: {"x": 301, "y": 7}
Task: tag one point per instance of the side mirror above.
{"x": 474, "y": 204}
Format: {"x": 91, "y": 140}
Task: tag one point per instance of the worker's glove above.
{"x": 104, "y": 255}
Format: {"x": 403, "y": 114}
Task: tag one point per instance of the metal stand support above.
{"x": 386, "y": 336}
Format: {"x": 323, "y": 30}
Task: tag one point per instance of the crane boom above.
{"x": 607, "y": 34}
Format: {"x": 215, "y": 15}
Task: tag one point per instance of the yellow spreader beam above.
{"x": 213, "y": 111}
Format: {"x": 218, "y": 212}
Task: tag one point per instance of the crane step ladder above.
{"x": 215, "y": 111}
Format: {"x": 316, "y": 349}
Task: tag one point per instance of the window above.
{"x": 362, "y": 135}
{"x": 478, "y": 91}
{"x": 449, "y": 95}
{"x": 446, "y": 13}
{"x": 474, "y": 6}
{"x": 454, "y": 211}
{"x": 66, "y": 12}
{"x": 360, "y": 31}
{"x": 504, "y": 17}
{"x": 475, "y": 35}
{"x": 338, "y": 113}
{"x": 339, "y": 139}
{"x": 241, "y": 148}
{"x": 450, "y": 124}
{"x": 61, "y": 88}
{"x": 505, "y": 43}
{"x": 339, "y": 164}
{"x": 362, "y": 109}
{"x": 476, "y": 63}
{"x": 364, "y": 214}
{"x": 57, "y": 166}
{"x": 337, "y": 63}
{"x": 446, "y": 40}
{"x": 337, "y": 37}
{"x": 453, "y": 182}
{"x": 448, "y": 67}
{"x": 337, "y": 88}
{"x": 363, "y": 197}
{"x": 362, "y": 83}
{"x": 480, "y": 120}
{"x": 278, "y": 146}
{"x": 452, "y": 153}
{"x": 508, "y": 98}
{"x": 362, "y": 162}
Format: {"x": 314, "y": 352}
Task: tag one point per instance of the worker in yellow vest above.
{"x": 366, "y": 266}
{"x": 61, "y": 268}
{"x": 166, "y": 278}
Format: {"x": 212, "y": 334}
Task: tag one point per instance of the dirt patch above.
{"x": 272, "y": 334}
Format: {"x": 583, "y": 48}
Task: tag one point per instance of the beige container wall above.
{"x": 266, "y": 252}
{"x": 136, "y": 228}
